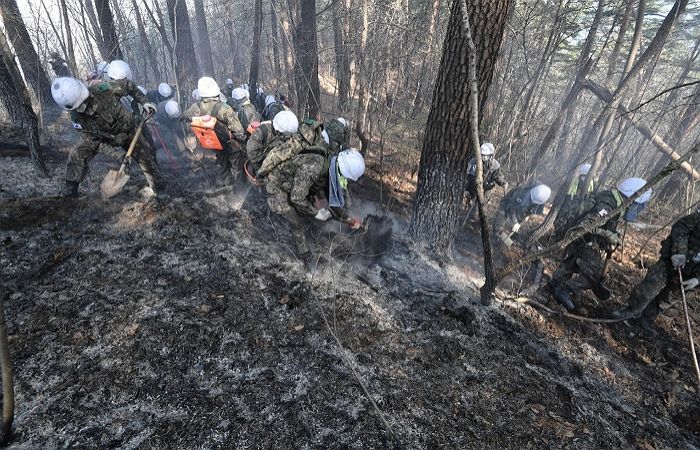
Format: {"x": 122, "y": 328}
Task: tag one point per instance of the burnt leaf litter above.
{"x": 187, "y": 323}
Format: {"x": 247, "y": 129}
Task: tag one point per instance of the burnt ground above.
{"x": 187, "y": 323}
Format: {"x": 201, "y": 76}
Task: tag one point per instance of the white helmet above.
{"x": 487, "y": 149}
{"x": 172, "y": 109}
{"x": 229, "y": 82}
{"x": 118, "y": 70}
{"x": 261, "y": 90}
{"x": 629, "y": 186}
{"x": 239, "y": 94}
{"x": 343, "y": 121}
{"x": 351, "y": 164}
{"x": 270, "y": 99}
{"x": 583, "y": 169}
{"x": 540, "y": 194}
{"x": 69, "y": 93}
{"x": 142, "y": 89}
{"x": 326, "y": 139}
{"x": 165, "y": 90}
{"x": 208, "y": 88}
{"x": 286, "y": 122}
{"x": 102, "y": 67}
{"x": 195, "y": 95}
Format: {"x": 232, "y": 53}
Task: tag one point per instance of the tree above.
{"x": 255, "y": 50}
{"x": 15, "y": 99}
{"x": 109, "y": 32}
{"x": 306, "y": 60}
{"x": 185, "y": 71}
{"x": 205, "y": 54}
{"x": 342, "y": 56}
{"x": 37, "y": 79}
{"x": 445, "y": 152}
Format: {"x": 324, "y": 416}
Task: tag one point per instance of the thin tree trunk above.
{"x": 306, "y": 61}
{"x": 150, "y": 52}
{"x": 342, "y": 59}
{"x": 8, "y": 391}
{"x": 204, "y": 52}
{"x": 425, "y": 63}
{"x": 15, "y": 99}
{"x": 445, "y": 153}
{"x": 624, "y": 23}
{"x": 109, "y": 32}
{"x": 277, "y": 66}
{"x": 97, "y": 33}
{"x": 69, "y": 39}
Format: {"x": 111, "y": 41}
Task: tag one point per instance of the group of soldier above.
{"x": 305, "y": 166}
{"x": 585, "y": 260}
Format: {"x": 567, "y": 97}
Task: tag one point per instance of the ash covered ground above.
{"x": 188, "y": 323}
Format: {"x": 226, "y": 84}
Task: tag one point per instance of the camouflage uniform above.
{"x": 492, "y": 176}
{"x": 173, "y": 127}
{"x": 105, "y": 120}
{"x": 247, "y": 114}
{"x": 515, "y": 207}
{"x": 154, "y": 96}
{"x": 584, "y": 257}
{"x": 661, "y": 277}
{"x": 257, "y": 145}
{"x": 232, "y": 157}
{"x": 338, "y": 135}
{"x": 272, "y": 110}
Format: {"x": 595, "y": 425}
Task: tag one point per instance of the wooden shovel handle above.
{"x": 132, "y": 145}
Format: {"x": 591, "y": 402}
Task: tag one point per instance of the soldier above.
{"x": 491, "y": 171}
{"x": 162, "y": 94}
{"x": 583, "y": 256}
{"x": 272, "y": 108}
{"x": 679, "y": 251}
{"x": 304, "y": 182}
{"x": 228, "y": 87}
{"x": 168, "y": 115}
{"x": 247, "y": 114}
{"x": 99, "y": 74}
{"x": 228, "y": 130}
{"x": 100, "y": 118}
{"x": 259, "y": 100}
{"x": 517, "y": 206}
{"x": 337, "y": 134}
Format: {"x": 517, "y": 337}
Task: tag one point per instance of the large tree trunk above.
{"x": 185, "y": 71}
{"x": 15, "y": 99}
{"x": 204, "y": 52}
{"x": 306, "y": 61}
{"x": 109, "y": 31}
{"x": 445, "y": 152}
{"x": 277, "y": 67}
{"x": 255, "y": 51}
{"x": 19, "y": 38}
{"x": 425, "y": 63}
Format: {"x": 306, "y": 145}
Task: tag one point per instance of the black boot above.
{"x": 564, "y": 297}
{"x": 647, "y": 325}
{"x": 600, "y": 290}
{"x": 70, "y": 190}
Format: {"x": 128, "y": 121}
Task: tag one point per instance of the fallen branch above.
{"x": 690, "y": 330}
{"x": 8, "y": 392}
{"x": 535, "y": 303}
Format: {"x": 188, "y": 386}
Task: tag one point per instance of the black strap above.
{"x": 215, "y": 112}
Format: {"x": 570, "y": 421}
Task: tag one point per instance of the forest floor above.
{"x": 187, "y": 323}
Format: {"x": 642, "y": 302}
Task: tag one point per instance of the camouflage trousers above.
{"x": 87, "y": 148}
{"x": 231, "y": 160}
{"x": 583, "y": 259}
{"x": 278, "y": 201}
{"x": 654, "y": 289}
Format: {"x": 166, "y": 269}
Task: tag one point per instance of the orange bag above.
{"x": 203, "y": 128}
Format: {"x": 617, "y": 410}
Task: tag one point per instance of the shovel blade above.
{"x": 113, "y": 183}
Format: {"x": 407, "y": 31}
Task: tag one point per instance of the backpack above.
{"x": 308, "y": 140}
{"x": 212, "y": 133}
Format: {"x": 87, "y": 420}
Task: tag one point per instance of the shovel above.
{"x": 115, "y": 180}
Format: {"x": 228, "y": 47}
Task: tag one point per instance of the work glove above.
{"x": 150, "y": 108}
{"x": 354, "y": 224}
{"x": 678, "y": 261}
{"x": 690, "y": 284}
{"x": 323, "y": 214}
{"x": 516, "y": 227}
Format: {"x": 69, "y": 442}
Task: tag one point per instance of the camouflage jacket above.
{"x": 492, "y": 176}
{"x": 517, "y": 204}
{"x": 104, "y": 116}
{"x": 338, "y": 135}
{"x": 247, "y": 114}
{"x": 272, "y": 110}
{"x": 226, "y": 114}
{"x": 303, "y": 177}
{"x": 257, "y": 144}
{"x": 684, "y": 238}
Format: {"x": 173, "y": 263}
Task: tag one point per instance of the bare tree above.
{"x": 109, "y": 32}
{"x": 185, "y": 71}
{"x": 255, "y": 50}
{"x": 204, "y": 54}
